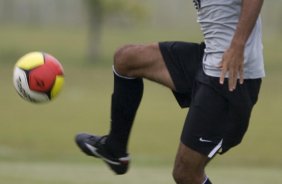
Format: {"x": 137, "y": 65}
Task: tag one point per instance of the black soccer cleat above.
{"x": 95, "y": 146}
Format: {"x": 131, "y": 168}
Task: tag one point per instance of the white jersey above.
{"x": 218, "y": 20}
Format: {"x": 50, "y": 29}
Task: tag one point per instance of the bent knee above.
{"x": 122, "y": 58}
{"x": 137, "y": 60}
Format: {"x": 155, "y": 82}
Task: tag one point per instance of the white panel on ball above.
{"x": 21, "y": 85}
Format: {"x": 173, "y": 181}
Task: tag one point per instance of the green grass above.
{"x": 81, "y": 173}
{"x": 84, "y": 105}
{"x": 36, "y": 141}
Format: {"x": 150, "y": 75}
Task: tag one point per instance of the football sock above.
{"x": 126, "y": 97}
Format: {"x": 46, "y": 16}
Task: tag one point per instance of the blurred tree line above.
{"x": 94, "y": 14}
{"x": 99, "y": 10}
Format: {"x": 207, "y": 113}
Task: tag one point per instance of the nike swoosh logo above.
{"x": 204, "y": 140}
{"x": 92, "y": 149}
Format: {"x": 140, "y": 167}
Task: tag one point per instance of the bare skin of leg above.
{"x": 189, "y": 166}
{"x": 146, "y": 61}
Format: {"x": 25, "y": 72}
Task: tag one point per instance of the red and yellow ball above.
{"x": 38, "y": 77}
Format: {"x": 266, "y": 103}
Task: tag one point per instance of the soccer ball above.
{"x": 38, "y": 77}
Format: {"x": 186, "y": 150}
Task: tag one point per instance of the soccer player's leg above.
{"x": 189, "y": 166}
{"x": 202, "y": 135}
{"x": 142, "y": 61}
{"x": 132, "y": 63}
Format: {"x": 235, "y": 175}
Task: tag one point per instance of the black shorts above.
{"x": 183, "y": 61}
{"x": 217, "y": 119}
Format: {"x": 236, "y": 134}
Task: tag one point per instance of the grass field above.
{"x": 36, "y": 141}
{"x": 70, "y": 173}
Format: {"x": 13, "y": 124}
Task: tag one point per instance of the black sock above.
{"x": 126, "y": 98}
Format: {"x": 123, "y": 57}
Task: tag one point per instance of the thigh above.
{"x": 241, "y": 103}
{"x": 218, "y": 119}
{"x": 183, "y": 60}
{"x": 205, "y": 125}
{"x": 144, "y": 61}
{"x": 172, "y": 64}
